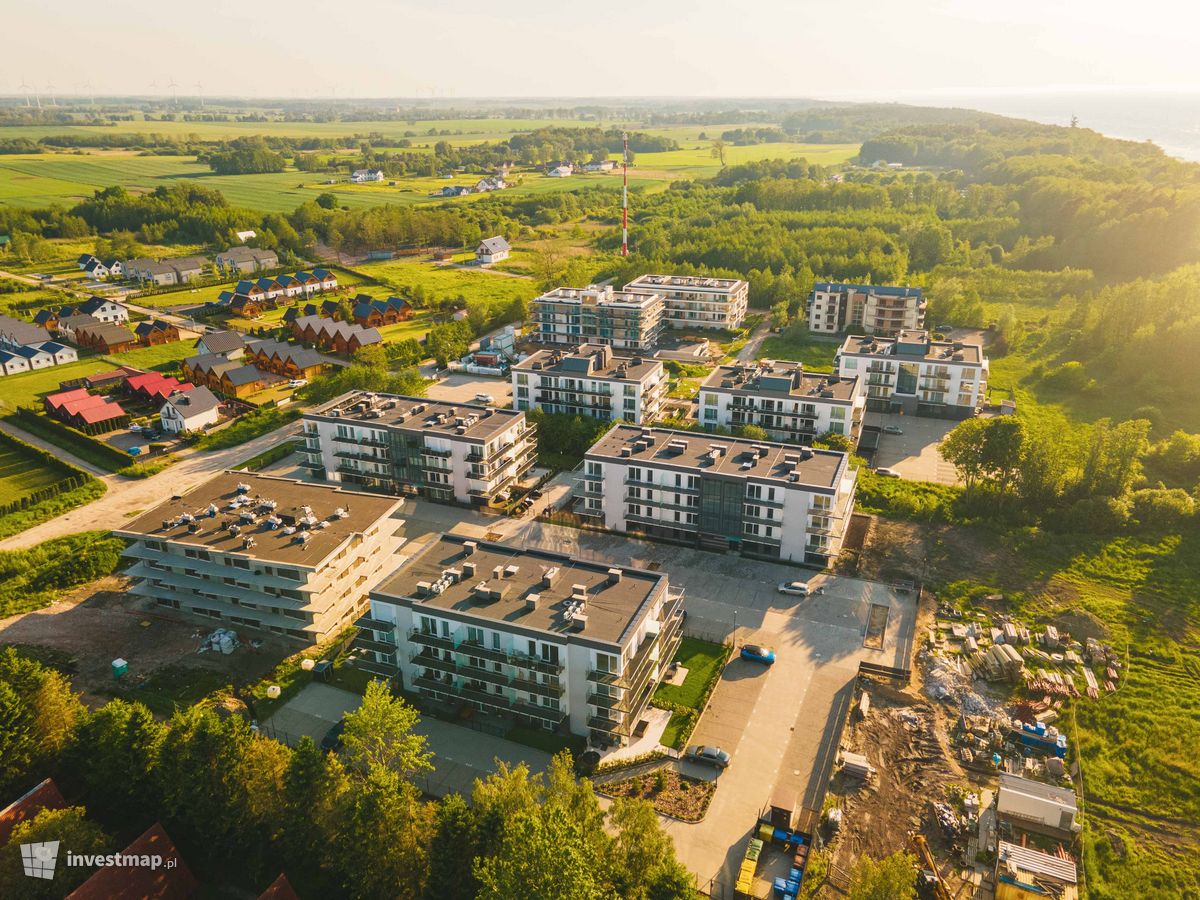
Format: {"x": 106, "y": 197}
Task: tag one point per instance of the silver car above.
{"x": 708, "y": 756}
{"x": 795, "y": 588}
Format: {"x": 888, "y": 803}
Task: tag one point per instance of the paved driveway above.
{"x": 462, "y": 388}
{"x": 311, "y": 713}
{"x": 914, "y": 454}
{"x": 461, "y": 755}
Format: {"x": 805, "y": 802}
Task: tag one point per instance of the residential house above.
{"x": 192, "y": 410}
{"x": 591, "y": 381}
{"x": 460, "y": 453}
{"x": 246, "y": 307}
{"x": 67, "y": 325}
{"x": 309, "y": 282}
{"x": 116, "y": 268}
{"x": 229, "y": 344}
{"x": 47, "y": 318}
{"x": 559, "y": 172}
{"x": 371, "y": 313}
{"x": 35, "y": 355}
{"x": 865, "y": 309}
{"x": 363, "y": 176}
{"x": 60, "y": 353}
{"x": 123, "y": 882}
{"x": 242, "y": 260}
{"x": 492, "y": 250}
{"x": 106, "y": 338}
{"x": 599, "y": 165}
{"x": 768, "y": 500}
{"x": 290, "y": 284}
{"x": 12, "y": 364}
{"x": 790, "y": 404}
{"x": 697, "y": 301}
{"x": 159, "y": 274}
{"x": 188, "y": 268}
{"x": 295, "y": 559}
{"x": 329, "y": 334}
{"x": 112, "y": 378}
{"x": 152, "y": 333}
{"x": 328, "y": 280}
{"x": 104, "y": 310}
{"x": 597, "y": 314}
{"x": 554, "y": 642}
{"x": 83, "y": 260}
{"x": 136, "y": 269}
{"x": 455, "y": 190}
{"x": 269, "y": 288}
{"x": 154, "y": 387}
{"x": 18, "y": 333}
{"x": 244, "y": 380}
{"x": 42, "y": 796}
{"x": 96, "y": 269}
{"x": 289, "y": 360}
{"x": 89, "y": 413}
{"x": 913, "y": 374}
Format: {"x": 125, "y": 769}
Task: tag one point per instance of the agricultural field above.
{"x": 404, "y": 275}
{"x": 21, "y": 474}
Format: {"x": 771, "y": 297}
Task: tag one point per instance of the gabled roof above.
{"x": 244, "y": 286}
{"x": 94, "y": 303}
{"x": 77, "y": 320}
{"x": 286, "y": 280}
{"x": 43, "y": 795}
{"x": 493, "y": 245}
{"x": 247, "y": 374}
{"x": 109, "y": 332}
{"x": 222, "y": 341}
{"x": 224, "y": 297}
{"x": 145, "y": 327}
{"x": 56, "y": 401}
{"x": 54, "y": 347}
{"x": 323, "y": 274}
{"x": 20, "y": 332}
{"x": 195, "y": 402}
{"x": 138, "y": 882}
{"x": 279, "y": 889}
{"x": 305, "y": 276}
{"x": 29, "y": 351}
{"x": 83, "y": 259}
{"x": 267, "y": 284}
{"x": 43, "y": 316}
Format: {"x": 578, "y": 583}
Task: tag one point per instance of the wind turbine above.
{"x": 50, "y": 91}
{"x": 87, "y": 86}
{"x": 200, "y": 91}
{"x": 25, "y": 89}
{"x": 174, "y": 91}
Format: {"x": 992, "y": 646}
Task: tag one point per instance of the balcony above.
{"x": 428, "y": 639}
{"x": 603, "y": 723}
{"x": 356, "y": 441}
{"x": 366, "y": 621}
{"x": 378, "y": 646}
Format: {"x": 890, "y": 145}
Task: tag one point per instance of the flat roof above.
{"x": 881, "y": 290}
{"x": 294, "y": 500}
{"x": 782, "y": 379}
{"x": 593, "y": 295}
{"x": 953, "y": 352}
{"x": 612, "y": 607}
{"x": 590, "y": 361}
{"x": 1052, "y": 793}
{"x": 740, "y": 458}
{"x": 416, "y": 414}
{"x": 1035, "y": 862}
{"x": 695, "y": 282}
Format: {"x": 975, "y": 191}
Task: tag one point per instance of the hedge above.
{"x": 84, "y": 446}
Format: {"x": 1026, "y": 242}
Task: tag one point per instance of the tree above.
{"x": 753, "y": 432}
{"x": 73, "y": 831}
{"x": 379, "y": 734}
{"x": 891, "y": 878}
{"x": 382, "y": 841}
{"x": 456, "y": 838}
{"x": 38, "y": 714}
{"x": 327, "y": 200}
{"x": 314, "y": 787}
{"x": 643, "y": 857}
{"x": 115, "y": 751}
{"x": 779, "y": 314}
{"x": 718, "y": 150}
{"x": 964, "y": 448}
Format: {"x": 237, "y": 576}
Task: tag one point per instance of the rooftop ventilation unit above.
{"x": 579, "y": 621}
{"x": 452, "y": 575}
{"x": 579, "y": 592}
{"x": 424, "y": 588}
{"x": 614, "y": 575}
{"x": 550, "y": 576}
{"x": 511, "y": 570}
{"x": 469, "y": 547}
{"x": 468, "y": 569}
{"x": 498, "y": 572}
{"x": 625, "y": 451}
{"x": 531, "y": 602}
{"x": 806, "y": 453}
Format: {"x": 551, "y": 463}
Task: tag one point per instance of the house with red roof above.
{"x": 90, "y": 413}
{"x": 43, "y": 795}
{"x": 171, "y": 879}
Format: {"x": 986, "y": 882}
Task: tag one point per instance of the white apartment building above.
{"x": 769, "y": 500}
{"x": 913, "y": 374}
{"x": 697, "y": 301}
{"x": 623, "y": 320}
{"x": 791, "y": 404}
{"x": 408, "y": 445}
{"x": 554, "y": 642}
{"x": 865, "y": 308}
{"x": 262, "y": 552}
{"x": 591, "y": 381}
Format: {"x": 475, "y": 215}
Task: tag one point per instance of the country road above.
{"x": 127, "y": 496}
{"x": 750, "y": 352}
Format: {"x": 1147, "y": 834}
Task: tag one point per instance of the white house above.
{"x": 559, "y": 172}
{"x": 35, "y": 356}
{"x": 105, "y": 311}
{"x": 603, "y": 165}
{"x": 60, "y": 353}
{"x": 492, "y": 250}
{"x": 362, "y": 176}
{"x": 96, "y": 269}
{"x": 191, "y": 410}
{"x": 11, "y": 364}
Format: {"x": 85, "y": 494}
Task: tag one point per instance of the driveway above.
{"x": 749, "y": 353}
{"x": 914, "y": 454}
{"x": 462, "y": 388}
{"x": 126, "y": 497}
{"x": 311, "y": 713}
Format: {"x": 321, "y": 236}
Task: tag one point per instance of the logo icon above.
{"x": 39, "y": 859}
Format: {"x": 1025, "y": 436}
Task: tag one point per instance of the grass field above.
{"x": 164, "y": 356}
{"x": 21, "y": 474}
{"x": 445, "y": 281}
{"x": 28, "y": 388}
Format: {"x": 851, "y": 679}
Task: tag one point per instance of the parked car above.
{"x": 795, "y": 588}
{"x": 892, "y": 429}
{"x": 886, "y": 472}
{"x": 297, "y": 382}
{"x": 708, "y": 756}
{"x": 333, "y": 737}
{"x": 758, "y": 653}
{"x": 485, "y": 398}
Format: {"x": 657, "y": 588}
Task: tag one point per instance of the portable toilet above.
{"x": 119, "y": 667}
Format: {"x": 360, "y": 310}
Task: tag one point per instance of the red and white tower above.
{"x": 625, "y": 194}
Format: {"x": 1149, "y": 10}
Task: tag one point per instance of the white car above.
{"x": 892, "y": 429}
{"x": 887, "y": 473}
{"x": 297, "y": 382}
{"x": 795, "y": 588}
{"x": 485, "y": 398}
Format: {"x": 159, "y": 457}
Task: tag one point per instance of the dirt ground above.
{"x": 100, "y": 622}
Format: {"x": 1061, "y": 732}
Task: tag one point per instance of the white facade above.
{"x": 184, "y": 412}
{"x": 1037, "y": 806}
{"x": 865, "y": 309}
{"x": 765, "y": 499}
{"x": 106, "y": 311}
{"x": 791, "y": 404}
{"x": 407, "y": 445}
{"x": 362, "y": 176}
{"x": 914, "y": 374}
{"x": 555, "y": 642}
{"x": 597, "y": 315}
{"x": 591, "y": 382}
{"x": 295, "y": 577}
{"x": 692, "y": 301}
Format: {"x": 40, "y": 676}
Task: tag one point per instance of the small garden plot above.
{"x": 668, "y": 791}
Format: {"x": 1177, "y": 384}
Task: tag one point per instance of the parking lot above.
{"x": 914, "y": 454}
{"x": 462, "y": 388}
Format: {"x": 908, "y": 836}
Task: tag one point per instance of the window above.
{"x": 496, "y": 642}
{"x": 522, "y": 378}
{"x": 710, "y": 399}
{"x": 606, "y": 662}
{"x": 475, "y": 635}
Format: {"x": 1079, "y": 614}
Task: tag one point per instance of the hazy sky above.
{"x": 795, "y": 48}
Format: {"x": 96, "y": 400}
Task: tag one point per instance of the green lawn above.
{"x": 22, "y": 473}
{"x": 401, "y": 275}
{"x": 704, "y": 661}
{"x": 164, "y": 356}
{"x": 796, "y": 344}
{"x": 28, "y": 388}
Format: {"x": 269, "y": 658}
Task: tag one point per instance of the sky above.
{"x": 829, "y": 49}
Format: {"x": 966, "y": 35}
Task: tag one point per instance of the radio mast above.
{"x": 625, "y": 193}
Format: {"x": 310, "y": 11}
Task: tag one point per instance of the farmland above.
{"x": 404, "y": 275}
{"x": 21, "y": 474}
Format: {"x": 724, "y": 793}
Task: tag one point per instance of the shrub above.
{"x": 1094, "y": 515}
{"x": 1162, "y": 508}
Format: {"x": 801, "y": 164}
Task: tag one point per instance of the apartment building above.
{"x": 550, "y": 641}
{"x": 262, "y": 552}
{"x": 865, "y": 308}
{"x": 697, "y": 301}
{"x": 409, "y": 445}
{"x": 791, "y": 404}
{"x": 912, "y": 374}
{"x": 591, "y": 381}
{"x": 623, "y": 320}
{"x": 769, "y": 500}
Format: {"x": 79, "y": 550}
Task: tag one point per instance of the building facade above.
{"x": 697, "y": 301}
{"x": 553, "y": 642}
{"x": 792, "y": 405}
{"x": 593, "y": 382}
{"x": 865, "y": 308}
{"x": 597, "y": 315}
{"x": 915, "y": 375}
{"x": 768, "y": 500}
{"x": 407, "y": 445}
{"x": 257, "y": 551}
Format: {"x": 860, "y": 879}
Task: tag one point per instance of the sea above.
{"x": 1171, "y": 119}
